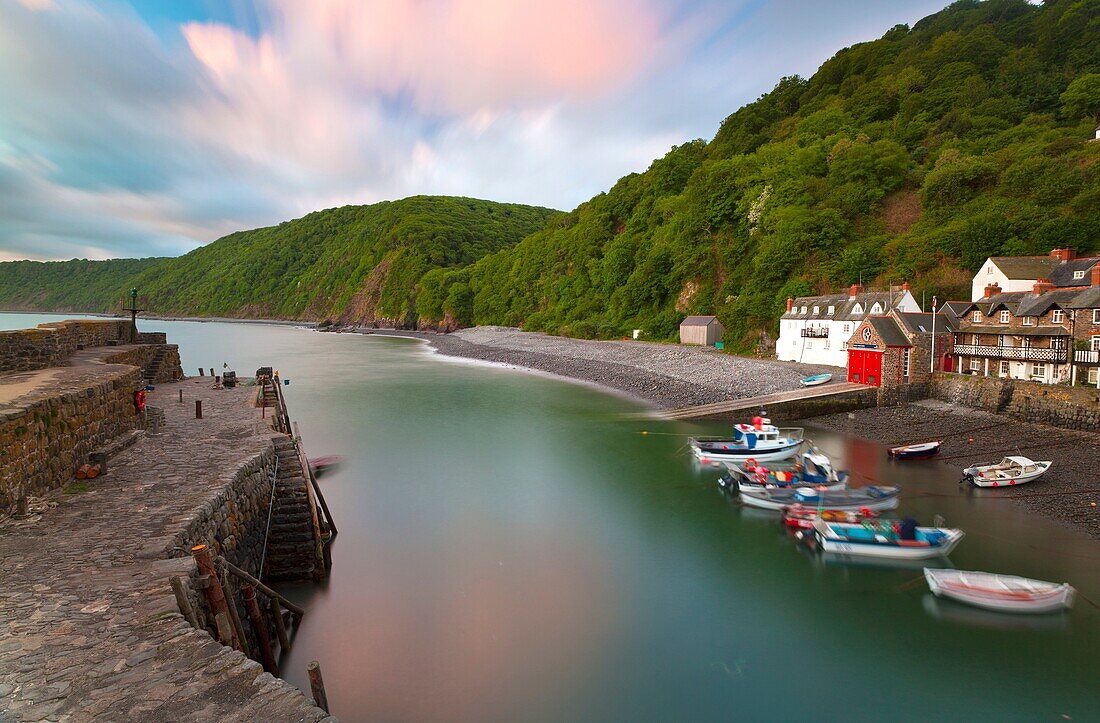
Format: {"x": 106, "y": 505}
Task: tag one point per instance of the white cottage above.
{"x": 816, "y": 329}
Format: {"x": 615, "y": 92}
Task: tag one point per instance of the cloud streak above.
{"x": 120, "y": 140}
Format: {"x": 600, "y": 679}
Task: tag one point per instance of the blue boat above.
{"x": 813, "y": 470}
{"x": 815, "y": 380}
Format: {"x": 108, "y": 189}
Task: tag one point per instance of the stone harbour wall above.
{"x": 43, "y": 442}
{"x": 1069, "y": 407}
{"x": 52, "y": 344}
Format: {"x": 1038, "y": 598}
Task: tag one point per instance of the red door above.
{"x": 865, "y": 366}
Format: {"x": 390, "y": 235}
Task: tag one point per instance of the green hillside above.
{"x": 911, "y": 157}
{"x": 356, "y": 262}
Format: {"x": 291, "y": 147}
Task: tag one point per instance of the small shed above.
{"x": 705, "y": 330}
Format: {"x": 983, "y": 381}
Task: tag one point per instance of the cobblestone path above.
{"x": 89, "y": 629}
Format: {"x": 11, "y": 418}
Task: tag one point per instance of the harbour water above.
{"x": 513, "y": 548}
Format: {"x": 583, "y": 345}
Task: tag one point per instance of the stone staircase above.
{"x": 149, "y": 373}
{"x": 291, "y": 549}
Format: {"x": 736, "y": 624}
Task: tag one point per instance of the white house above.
{"x": 1020, "y": 273}
{"x": 816, "y": 329}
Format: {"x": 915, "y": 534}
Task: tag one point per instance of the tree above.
{"x": 1082, "y": 98}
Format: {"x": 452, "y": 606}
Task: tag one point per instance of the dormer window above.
{"x": 803, "y": 309}
{"x": 817, "y": 309}
{"x": 876, "y": 309}
{"x": 1078, "y": 274}
{"x": 857, "y": 309}
{"x": 1057, "y": 316}
{"x": 1005, "y": 317}
{"x": 832, "y": 310}
{"x": 1028, "y": 320}
{"x": 976, "y": 317}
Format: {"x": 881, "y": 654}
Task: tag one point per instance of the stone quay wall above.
{"x": 44, "y": 441}
{"x": 52, "y": 344}
{"x": 1069, "y": 407}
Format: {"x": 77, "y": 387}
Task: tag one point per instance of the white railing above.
{"x": 1086, "y": 357}
{"x": 1019, "y": 353}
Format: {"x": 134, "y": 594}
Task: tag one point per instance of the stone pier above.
{"x": 89, "y": 627}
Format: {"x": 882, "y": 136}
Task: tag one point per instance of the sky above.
{"x": 151, "y": 127}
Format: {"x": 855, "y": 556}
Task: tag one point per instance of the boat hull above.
{"x": 884, "y": 551}
{"x": 767, "y": 500}
{"x": 1052, "y": 598}
{"x": 915, "y": 452}
{"x": 709, "y": 453}
{"x": 990, "y": 483}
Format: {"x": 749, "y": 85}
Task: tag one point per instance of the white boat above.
{"x": 760, "y": 441}
{"x": 874, "y": 498}
{"x": 1008, "y": 472}
{"x": 814, "y": 470}
{"x": 879, "y": 539}
{"x": 1003, "y": 593}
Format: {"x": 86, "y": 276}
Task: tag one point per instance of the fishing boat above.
{"x": 1006, "y": 473}
{"x": 1003, "y": 593}
{"x": 815, "y": 380}
{"x": 883, "y": 539}
{"x": 799, "y": 517}
{"x": 760, "y": 441}
{"x": 875, "y": 497}
{"x": 814, "y": 470}
{"x": 924, "y": 450}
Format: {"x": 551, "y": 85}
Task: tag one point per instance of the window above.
{"x": 1094, "y": 375}
{"x": 843, "y": 345}
{"x": 1078, "y": 274}
{"x": 1094, "y": 343}
{"x": 1000, "y": 340}
{"x": 809, "y": 345}
{"x": 817, "y": 309}
{"x": 974, "y": 339}
{"x": 1057, "y": 316}
{"x": 976, "y": 317}
{"x": 989, "y": 269}
{"x": 1004, "y": 369}
{"x": 826, "y": 343}
{"x": 976, "y": 365}
{"x": 857, "y": 309}
{"x": 803, "y": 309}
{"x": 905, "y": 363}
{"x": 1039, "y": 370}
{"x": 848, "y": 327}
{"x": 876, "y": 309}
{"x": 1058, "y": 342}
{"x": 1005, "y": 315}
{"x": 832, "y": 310}
{"x": 1029, "y": 320}
{"x": 1096, "y": 316}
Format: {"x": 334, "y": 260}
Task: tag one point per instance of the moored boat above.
{"x": 760, "y": 441}
{"x": 813, "y": 470}
{"x": 923, "y": 450}
{"x": 1008, "y": 472}
{"x": 815, "y": 380}
{"x": 799, "y": 517}
{"x": 886, "y": 539}
{"x": 1003, "y": 593}
{"x": 875, "y": 497}
{"x": 325, "y": 465}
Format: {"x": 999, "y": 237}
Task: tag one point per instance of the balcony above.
{"x": 1086, "y": 357}
{"x": 815, "y": 332}
{"x": 1018, "y": 353}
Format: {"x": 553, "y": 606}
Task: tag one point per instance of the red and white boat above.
{"x": 1003, "y": 593}
{"x": 801, "y": 517}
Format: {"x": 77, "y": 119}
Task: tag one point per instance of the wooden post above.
{"x": 234, "y": 616}
{"x": 184, "y": 601}
{"x": 225, "y": 633}
{"x": 215, "y": 595}
{"x": 211, "y": 371}
{"x": 181, "y": 396}
{"x": 317, "y": 685}
{"x": 258, "y": 626}
{"x": 280, "y": 626}
{"x": 202, "y": 372}
{"x": 198, "y": 409}
{"x": 296, "y": 609}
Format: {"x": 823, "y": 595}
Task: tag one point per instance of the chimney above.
{"x": 1042, "y": 286}
{"x": 1064, "y": 255}
{"x": 992, "y": 289}
{"x": 1096, "y": 274}
{"x": 905, "y": 286}
{"x": 790, "y": 303}
{"x": 855, "y": 290}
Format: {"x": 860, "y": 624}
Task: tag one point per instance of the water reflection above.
{"x": 959, "y": 614}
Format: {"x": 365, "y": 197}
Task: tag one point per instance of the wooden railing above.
{"x": 1086, "y": 357}
{"x": 1018, "y": 353}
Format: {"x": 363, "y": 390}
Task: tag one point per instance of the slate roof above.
{"x": 1062, "y": 275}
{"x": 1037, "y": 305}
{"x": 1087, "y": 299}
{"x": 889, "y": 331}
{"x": 1026, "y": 267}
{"x": 698, "y": 320}
{"x": 1005, "y": 300}
{"x": 921, "y": 322}
{"x": 843, "y": 305}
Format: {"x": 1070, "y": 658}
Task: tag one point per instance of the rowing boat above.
{"x": 1003, "y": 593}
{"x": 915, "y": 451}
{"x": 815, "y": 380}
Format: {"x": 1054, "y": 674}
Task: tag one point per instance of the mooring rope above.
{"x": 270, "y": 508}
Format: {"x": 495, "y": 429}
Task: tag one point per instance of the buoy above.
{"x": 970, "y": 441}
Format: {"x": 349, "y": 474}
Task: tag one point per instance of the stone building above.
{"x": 1086, "y": 333}
{"x": 897, "y": 348}
{"x": 1061, "y": 268}
{"x": 816, "y": 329}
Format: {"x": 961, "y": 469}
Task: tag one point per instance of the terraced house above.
{"x": 1050, "y": 334}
